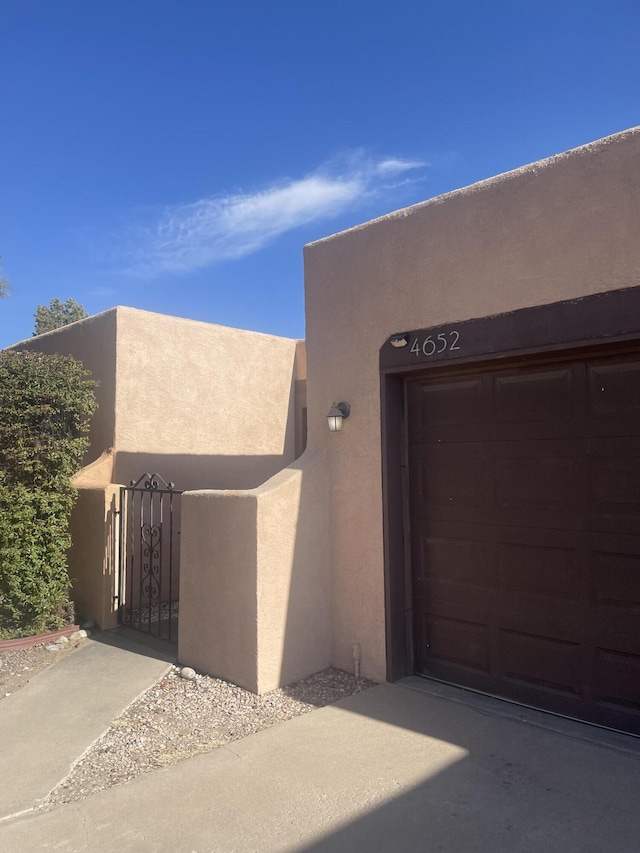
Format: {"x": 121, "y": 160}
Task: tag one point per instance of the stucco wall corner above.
{"x": 293, "y": 579}
{"x": 97, "y": 473}
{"x": 94, "y": 556}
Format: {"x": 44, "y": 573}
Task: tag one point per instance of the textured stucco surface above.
{"x": 93, "y": 558}
{"x": 205, "y": 405}
{"x": 201, "y": 404}
{"x": 285, "y": 577}
{"x": 254, "y": 589}
{"x": 559, "y": 229}
{"x": 217, "y": 632}
{"x": 294, "y": 621}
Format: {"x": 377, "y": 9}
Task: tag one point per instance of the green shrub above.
{"x": 46, "y": 403}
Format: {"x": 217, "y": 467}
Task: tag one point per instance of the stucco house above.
{"x": 477, "y": 517}
{"x": 196, "y": 403}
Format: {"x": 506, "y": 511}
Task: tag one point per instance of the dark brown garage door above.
{"x": 525, "y": 533}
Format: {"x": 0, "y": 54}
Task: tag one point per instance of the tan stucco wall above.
{"x": 254, "y": 588}
{"x": 93, "y": 558}
{"x": 204, "y": 405}
{"x": 93, "y": 342}
{"x": 217, "y": 632}
{"x": 558, "y": 229}
{"x": 294, "y": 619}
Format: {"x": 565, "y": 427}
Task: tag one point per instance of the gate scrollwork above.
{"x": 149, "y": 556}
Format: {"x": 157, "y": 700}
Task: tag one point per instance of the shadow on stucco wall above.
{"x": 199, "y": 471}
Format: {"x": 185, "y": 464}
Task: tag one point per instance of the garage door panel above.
{"x": 454, "y": 479}
{"x": 539, "y": 486}
{"x": 511, "y": 559}
{"x": 614, "y": 492}
{"x": 542, "y": 395}
{"x": 522, "y": 483}
{"x": 617, "y": 680}
{"x": 459, "y": 568}
{"x": 546, "y": 572}
{"x": 614, "y": 390}
{"x": 540, "y": 617}
{"x": 615, "y": 582}
{"x": 516, "y": 535}
{"x": 525, "y": 533}
{"x": 446, "y": 404}
{"x": 453, "y": 562}
{"x": 457, "y": 642}
{"x": 438, "y": 603}
{"x": 541, "y": 663}
{"x": 490, "y": 431}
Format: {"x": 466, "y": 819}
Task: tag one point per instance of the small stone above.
{"x": 62, "y": 641}
{"x": 52, "y": 647}
{"x": 80, "y": 635}
{"x": 188, "y": 673}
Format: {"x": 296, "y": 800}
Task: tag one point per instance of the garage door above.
{"x": 525, "y": 533}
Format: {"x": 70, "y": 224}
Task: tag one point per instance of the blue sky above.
{"x": 176, "y": 155}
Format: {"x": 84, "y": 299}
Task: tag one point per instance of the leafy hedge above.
{"x": 46, "y": 403}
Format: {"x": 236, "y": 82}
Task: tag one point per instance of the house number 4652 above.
{"x": 436, "y": 344}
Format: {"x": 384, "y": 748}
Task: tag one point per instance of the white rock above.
{"x": 82, "y": 633}
{"x": 62, "y": 641}
{"x": 52, "y": 648}
{"x": 188, "y": 673}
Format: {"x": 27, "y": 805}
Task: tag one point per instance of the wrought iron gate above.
{"x": 148, "y": 585}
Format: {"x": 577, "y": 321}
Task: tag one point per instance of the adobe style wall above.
{"x": 203, "y": 405}
{"x": 206, "y": 406}
{"x": 255, "y": 579}
{"x": 555, "y": 230}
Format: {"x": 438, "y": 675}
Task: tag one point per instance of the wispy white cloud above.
{"x": 190, "y": 236}
{"x": 394, "y": 166}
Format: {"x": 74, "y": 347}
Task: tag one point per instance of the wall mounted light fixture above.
{"x": 400, "y": 340}
{"x": 337, "y": 413}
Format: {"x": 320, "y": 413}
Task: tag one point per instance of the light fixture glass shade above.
{"x": 337, "y": 413}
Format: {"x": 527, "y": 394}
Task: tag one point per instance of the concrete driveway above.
{"x": 410, "y": 767}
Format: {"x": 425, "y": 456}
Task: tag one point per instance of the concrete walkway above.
{"x": 47, "y": 724}
{"x": 398, "y": 768}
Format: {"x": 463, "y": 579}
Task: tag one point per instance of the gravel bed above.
{"x": 177, "y": 718}
{"x": 19, "y": 666}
